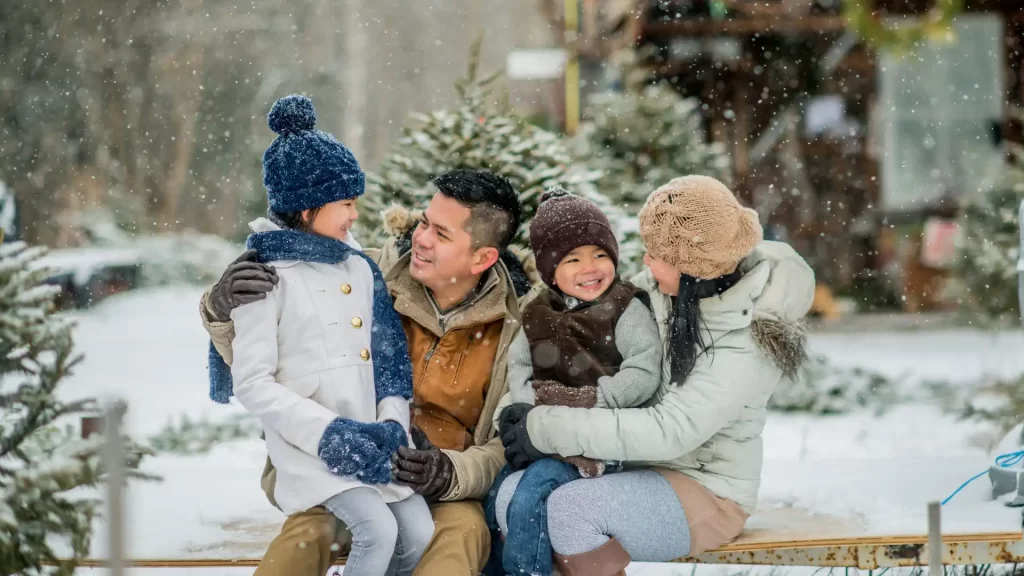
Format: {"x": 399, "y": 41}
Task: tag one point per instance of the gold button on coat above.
{"x": 364, "y": 354}
{"x": 357, "y": 322}
{"x": 346, "y": 288}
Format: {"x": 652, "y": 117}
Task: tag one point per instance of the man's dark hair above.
{"x": 494, "y": 206}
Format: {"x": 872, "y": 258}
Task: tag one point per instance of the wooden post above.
{"x": 114, "y": 456}
{"x": 934, "y": 539}
{"x": 572, "y": 68}
{"x": 91, "y": 425}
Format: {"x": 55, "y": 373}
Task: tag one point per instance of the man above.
{"x": 459, "y": 292}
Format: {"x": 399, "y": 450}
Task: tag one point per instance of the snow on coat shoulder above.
{"x": 302, "y": 358}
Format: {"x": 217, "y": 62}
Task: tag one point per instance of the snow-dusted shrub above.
{"x": 824, "y": 388}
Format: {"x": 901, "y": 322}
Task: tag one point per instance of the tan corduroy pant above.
{"x": 311, "y": 542}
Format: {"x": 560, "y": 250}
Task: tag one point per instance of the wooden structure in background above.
{"x": 755, "y": 72}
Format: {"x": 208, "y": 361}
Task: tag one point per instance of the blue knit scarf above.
{"x": 392, "y": 370}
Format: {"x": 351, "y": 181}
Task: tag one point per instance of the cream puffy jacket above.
{"x": 708, "y": 428}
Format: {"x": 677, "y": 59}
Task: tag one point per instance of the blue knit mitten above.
{"x": 378, "y": 472}
{"x": 387, "y": 435}
{"x": 346, "y": 449}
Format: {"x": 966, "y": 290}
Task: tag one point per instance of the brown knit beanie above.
{"x": 696, "y": 225}
{"x": 563, "y": 223}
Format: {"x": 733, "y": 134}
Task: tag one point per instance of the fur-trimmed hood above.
{"x": 399, "y": 223}
{"x": 780, "y": 302}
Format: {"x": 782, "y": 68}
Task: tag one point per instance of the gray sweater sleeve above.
{"x": 520, "y": 370}
{"x": 639, "y": 375}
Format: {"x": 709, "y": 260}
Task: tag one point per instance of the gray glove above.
{"x": 244, "y": 281}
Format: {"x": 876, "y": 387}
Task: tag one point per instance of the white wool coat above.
{"x": 301, "y": 359}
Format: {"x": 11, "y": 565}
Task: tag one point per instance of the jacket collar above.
{"x": 490, "y": 301}
{"x": 400, "y": 223}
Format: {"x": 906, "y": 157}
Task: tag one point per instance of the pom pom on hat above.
{"x": 305, "y": 168}
{"x": 553, "y": 192}
{"x": 292, "y": 114}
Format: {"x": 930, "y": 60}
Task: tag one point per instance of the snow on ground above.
{"x": 882, "y": 471}
{"x": 149, "y": 348}
{"x": 956, "y": 355}
{"x": 876, "y": 472}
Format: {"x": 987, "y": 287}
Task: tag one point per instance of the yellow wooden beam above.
{"x": 572, "y": 68}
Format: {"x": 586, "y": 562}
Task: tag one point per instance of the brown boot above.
{"x": 610, "y": 559}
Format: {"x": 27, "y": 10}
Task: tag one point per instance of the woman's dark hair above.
{"x": 293, "y": 220}
{"x": 686, "y": 343}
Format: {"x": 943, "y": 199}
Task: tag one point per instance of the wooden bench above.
{"x": 780, "y": 537}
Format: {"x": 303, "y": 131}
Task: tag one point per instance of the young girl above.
{"x": 322, "y": 360}
{"x": 590, "y": 340}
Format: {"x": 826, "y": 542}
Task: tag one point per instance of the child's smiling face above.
{"x": 334, "y": 220}
{"x": 585, "y": 273}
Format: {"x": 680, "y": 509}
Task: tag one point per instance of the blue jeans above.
{"x": 493, "y": 566}
{"x": 527, "y": 547}
{"x": 387, "y": 539}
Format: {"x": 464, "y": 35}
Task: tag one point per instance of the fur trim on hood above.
{"x": 399, "y": 223}
{"x": 782, "y": 290}
{"x": 784, "y": 342}
{"x": 520, "y": 279}
{"x": 399, "y": 220}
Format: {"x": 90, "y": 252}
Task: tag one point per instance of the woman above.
{"x": 728, "y": 307}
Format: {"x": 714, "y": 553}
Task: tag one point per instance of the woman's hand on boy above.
{"x": 519, "y": 450}
{"x": 552, "y": 393}
{"x": 425, "y": 468}
{"x": 245, "y": 280}
{"x": 510, "y": 416}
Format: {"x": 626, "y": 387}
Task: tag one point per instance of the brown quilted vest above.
{"x": 573, "y": 342}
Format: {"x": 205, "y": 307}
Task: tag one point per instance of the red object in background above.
{"x": 938, "y": 243}
{"x": 91, "y": 425}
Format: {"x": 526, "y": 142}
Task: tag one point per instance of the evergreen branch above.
{"x": 43, "y": 470}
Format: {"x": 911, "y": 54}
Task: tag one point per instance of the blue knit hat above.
{"x": 305, "y": 168}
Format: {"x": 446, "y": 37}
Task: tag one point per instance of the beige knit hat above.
{"x": 696, "y": 225}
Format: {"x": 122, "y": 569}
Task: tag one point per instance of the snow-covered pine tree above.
{"x": 481, "y": 133}
{"x": 643, "y": 136}
{"x": 41, "y": 460}
{"x": 985, "y": 272}
{"x": 198, "y": 437}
